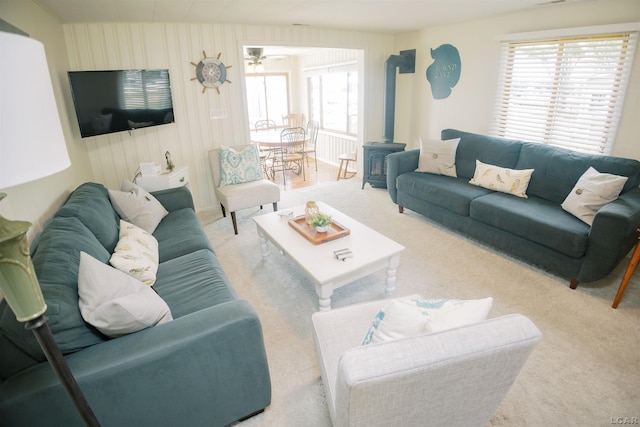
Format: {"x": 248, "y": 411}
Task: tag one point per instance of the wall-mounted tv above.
{"x": 118, "y": 100}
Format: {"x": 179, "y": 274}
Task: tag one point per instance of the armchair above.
{"x": 234, "y": 197}
{"x": 456, "y": 377}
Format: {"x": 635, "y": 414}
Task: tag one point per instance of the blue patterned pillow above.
{"x": 241, "y": 166}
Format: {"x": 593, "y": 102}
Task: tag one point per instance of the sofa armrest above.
{"x": 205, "y": 368}
{"x": 397, "y": 164}
{"x": 453, "y": 377}
{"x": 175, "y": 198}
{"x": 613, "y": 234}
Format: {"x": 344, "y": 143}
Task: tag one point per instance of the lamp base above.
{"x": 43, "y": 334}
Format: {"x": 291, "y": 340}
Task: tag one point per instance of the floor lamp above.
{"x": 30, "y": 151}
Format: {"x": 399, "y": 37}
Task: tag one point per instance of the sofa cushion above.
{"x": 534, "y": 219}
{"x": 505, "y": 180}
{"x": 438, "y": 157}
{"x": 472, "y": 147}
{"x": 454, "y": 194}
{"x": 115, "y": 302}
{"x": 193, "y": 282}
{"x": 180, "y": 233}
{"x": 592, "y": 191}
{"x": 91, "y": 205}
{"x": 558, "y": 169}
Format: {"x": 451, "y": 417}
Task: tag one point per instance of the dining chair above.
{"x": 265, "y": 125}
{"x": 310, "y": 143}
{"x": 241, "y": 187}
{"x": 290, "y": 154}
{"x": 293, "y": 120}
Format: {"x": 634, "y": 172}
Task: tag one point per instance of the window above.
{"x": 146, "y": 89}
{"x": 333, "y": 100}
{"x": 267, "y": 97}
{"x": 565, "y": 91}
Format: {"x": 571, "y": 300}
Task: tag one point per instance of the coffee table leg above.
{"x": 264, "y": 244}
{"x": 324, "y": 296}
{"x": 390, "y": 281}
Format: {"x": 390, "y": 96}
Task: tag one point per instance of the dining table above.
{"x": 269, "y": 144}
{"x": 271, "y": 139}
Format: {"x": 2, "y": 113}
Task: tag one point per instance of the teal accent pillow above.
{"x": 237, "y": 167}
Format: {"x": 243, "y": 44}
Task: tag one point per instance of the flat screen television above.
{"x": 118, "y": 100}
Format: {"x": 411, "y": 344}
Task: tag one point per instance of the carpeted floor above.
{"x": 584, "y": 372}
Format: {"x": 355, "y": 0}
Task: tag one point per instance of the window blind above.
{"x": 565, "y": 91}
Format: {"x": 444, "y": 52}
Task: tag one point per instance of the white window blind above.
{"x": 565, "y": 91}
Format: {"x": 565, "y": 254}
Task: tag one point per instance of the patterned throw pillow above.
{"x": 438, "y": 157}
{"x": 241, "y": 166}
{"x": 411, "y": 316}
{"x": 510, "y": 181}
{"x": 136, "y": 253}
{"x": 592, "y": 191}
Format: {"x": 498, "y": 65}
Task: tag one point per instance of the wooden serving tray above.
{"x": 335, "y": 231}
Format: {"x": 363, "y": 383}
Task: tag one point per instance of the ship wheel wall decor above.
{"x": 211, "y": 72}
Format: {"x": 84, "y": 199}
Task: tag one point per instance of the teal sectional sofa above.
{"x": 535, "y": 229}
{"x": 206, "y": 367}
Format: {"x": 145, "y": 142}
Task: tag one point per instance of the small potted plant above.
{"x": 321, "y": 222}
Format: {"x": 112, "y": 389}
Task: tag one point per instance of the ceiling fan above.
{"x": 255, "y": 55}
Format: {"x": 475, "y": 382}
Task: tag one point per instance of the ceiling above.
{"x": 389, "y": 16}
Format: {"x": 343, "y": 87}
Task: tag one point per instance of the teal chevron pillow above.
{"x": 241, "y": 166}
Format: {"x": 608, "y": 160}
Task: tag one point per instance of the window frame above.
{"x": 278, "y": 118}
{"x": 349, "y": 69}
{"x": 559, "y": 110}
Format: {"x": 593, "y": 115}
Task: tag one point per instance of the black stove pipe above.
{"x": 406, "y": 62}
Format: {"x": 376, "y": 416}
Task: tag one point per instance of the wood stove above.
{"x": 375, "y": 162}
{"x": 375, "y": 153}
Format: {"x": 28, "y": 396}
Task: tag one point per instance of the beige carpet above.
{"x": 584, "y": 372}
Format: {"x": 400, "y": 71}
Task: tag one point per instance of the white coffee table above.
{"x": 371, "y": 250}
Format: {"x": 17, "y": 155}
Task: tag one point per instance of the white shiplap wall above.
{"x": 116, "y": 157}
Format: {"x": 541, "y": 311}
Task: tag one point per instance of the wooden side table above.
{"x": 631, "y": 268}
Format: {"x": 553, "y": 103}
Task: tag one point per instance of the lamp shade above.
{"x": 32, "y": 144}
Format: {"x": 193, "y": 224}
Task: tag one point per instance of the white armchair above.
{"x": 242, "y": 196}
{"x": 456, "y": 377}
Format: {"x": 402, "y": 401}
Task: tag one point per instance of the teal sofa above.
{"x": 206, "y": 367}
{"x": 534, "y": 229}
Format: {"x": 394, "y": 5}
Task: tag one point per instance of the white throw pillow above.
{"x": 510, "y": 181}
{"x": 135, "y": 205}
{"x": 241, "y": 166}
{"x": 438, "y": 157}
{"x": 592, "y": 191}
{"x": 136, "y": 253}
{"x": 116, "y": 303}
{"x": 411, "y": 316}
